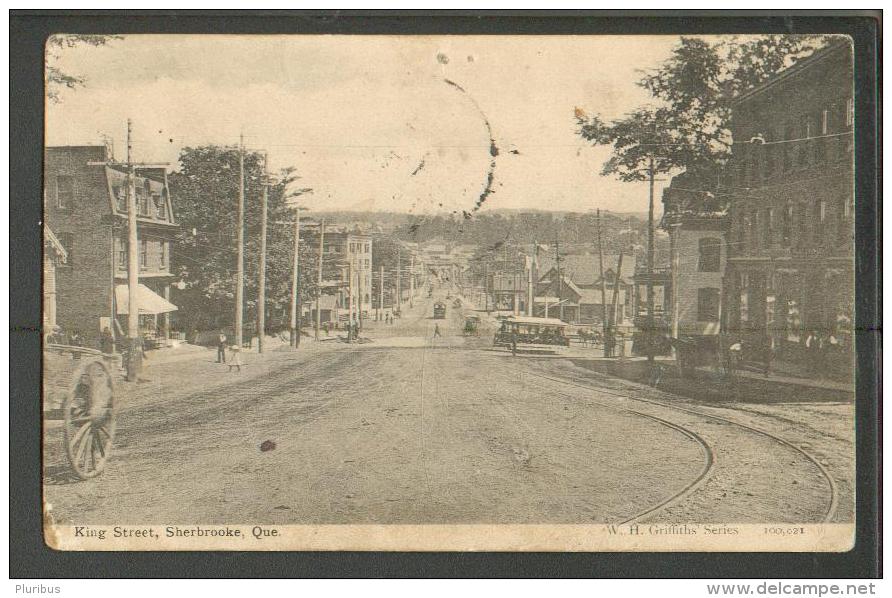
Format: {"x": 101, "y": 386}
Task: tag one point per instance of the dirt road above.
{"x": 410, "y": 428}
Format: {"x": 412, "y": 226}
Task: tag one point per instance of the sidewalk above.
{"x": 709, "y": 386}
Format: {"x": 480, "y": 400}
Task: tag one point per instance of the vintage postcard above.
{"x": 501, "y": 293}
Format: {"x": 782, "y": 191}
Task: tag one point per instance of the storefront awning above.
{"x": 148, "y": 301}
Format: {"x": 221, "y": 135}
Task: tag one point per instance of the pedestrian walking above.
{"x": 107, "y": 341}
{"x": 235, "y": 358}
{"x": 221, "y": 348}
{"x": 812, "y": 343}
{"x": 437, "y": 330}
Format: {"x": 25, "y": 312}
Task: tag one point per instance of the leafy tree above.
{"x": 205, "y": 196}
{"x": 687, "y": 126}
{"x": 56, "y": 79}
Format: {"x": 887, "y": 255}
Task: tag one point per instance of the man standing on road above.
{"x": 437, "y": 331}
{"x": 221, "y": 348}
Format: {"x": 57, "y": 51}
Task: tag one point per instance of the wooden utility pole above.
{"x": 359, "y": 288}
{"x": 261, "y": 283}
{"x": 399, "y": 286}
{"x": 650, "y": 264}
{"x": 604, "y": 324}
{"x": 295, "y": 273}
{"x": 616, "y": 278}
{"x": 381, "y": 292}
{"x": 319, "y": 277}
{"x": 411, "y": 279}
{"x": 351, "y": 303}
{"x": 557, "y": 255}
{"x": 134, "y": 360}
{"x": 240, "y": 264}
{"x": 530, "y": 294}
{"x": 485, "y": 283}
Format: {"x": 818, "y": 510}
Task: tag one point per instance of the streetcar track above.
{"x": 707, "y": 450}
{"x": 833, "y": 489}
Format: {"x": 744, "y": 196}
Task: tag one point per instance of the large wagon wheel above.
{"x": 90, "y": 419}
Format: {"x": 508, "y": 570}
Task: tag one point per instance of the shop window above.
{"x": 64, "y": 191}
{"x": 707, "y": 305}
{"x": 787, "y": 228}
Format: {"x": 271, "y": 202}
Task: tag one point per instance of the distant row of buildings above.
{"x": 761, "y": 251}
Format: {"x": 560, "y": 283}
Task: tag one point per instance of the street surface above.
{"x": 409, "y": 428}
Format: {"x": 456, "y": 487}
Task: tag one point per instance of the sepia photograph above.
{"x": 449, "y": 293}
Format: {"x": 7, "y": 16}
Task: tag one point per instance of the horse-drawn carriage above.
{"x": 79, "y": 398}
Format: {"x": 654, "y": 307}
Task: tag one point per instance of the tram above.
{"x": 439, "y": 310}
{"x": 527, "y": 334}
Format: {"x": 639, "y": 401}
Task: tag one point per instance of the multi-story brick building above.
{"x": 346, "y": 254}
{"x": 85, "y": 204}
{"x": 790, "y": 272}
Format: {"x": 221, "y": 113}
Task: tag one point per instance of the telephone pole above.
{"x": 604, "y": 323}
{"x": 530, "y": 293}
{"x": 619, "y": 268}
{"x": 261, "y": 284}
{"x": 399, "y": 289}
{"x": 319, "y": 277}
{"x": 240, "y": 267}
{"x": 411, "y": 279}
{"x": 381, "y": 292}
{"x": 295, "y": 273}
{"x": 351, "y": 302}
{"x": 557, "y": 255}
{"x": 359, "y": 272}
{"x": 650, "y": 264}
{"x": 134, "y": 360}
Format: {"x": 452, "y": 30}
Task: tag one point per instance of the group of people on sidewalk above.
{"x": 235, "y": 360}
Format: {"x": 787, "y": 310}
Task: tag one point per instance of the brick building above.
{"x": 790, "y": 268}
{"x": 347, "y": 254}
{"x": 85, "y": 204}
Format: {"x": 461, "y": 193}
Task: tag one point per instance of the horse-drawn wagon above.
{"x": 79, "y": 398}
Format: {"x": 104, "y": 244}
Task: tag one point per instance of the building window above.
{"x": 850, "y": 112}
{"x": 67, "y": 241}
{"x": 143, "y": 254}
{"x": 707, "y": 305}
{"x": 64, "y": 191}
{"x": 163, "y": 260}
{"x": 143, "y": 204}
{"x": 122, "y": 258}
{"x": 825, "y": 122}
{"x": 803, "y": 223}
{"x": 787, "y": 231}
{"x": 764, "y": 230}
{"x": 710, "y": 255}
{"x": 844, "y": 226}
{"x": 770, "y": 226}
{"x": 820, "y": 214}
{"x": 786, "y": 149}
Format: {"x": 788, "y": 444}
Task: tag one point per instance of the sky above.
{"x": 356, "y": 116}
